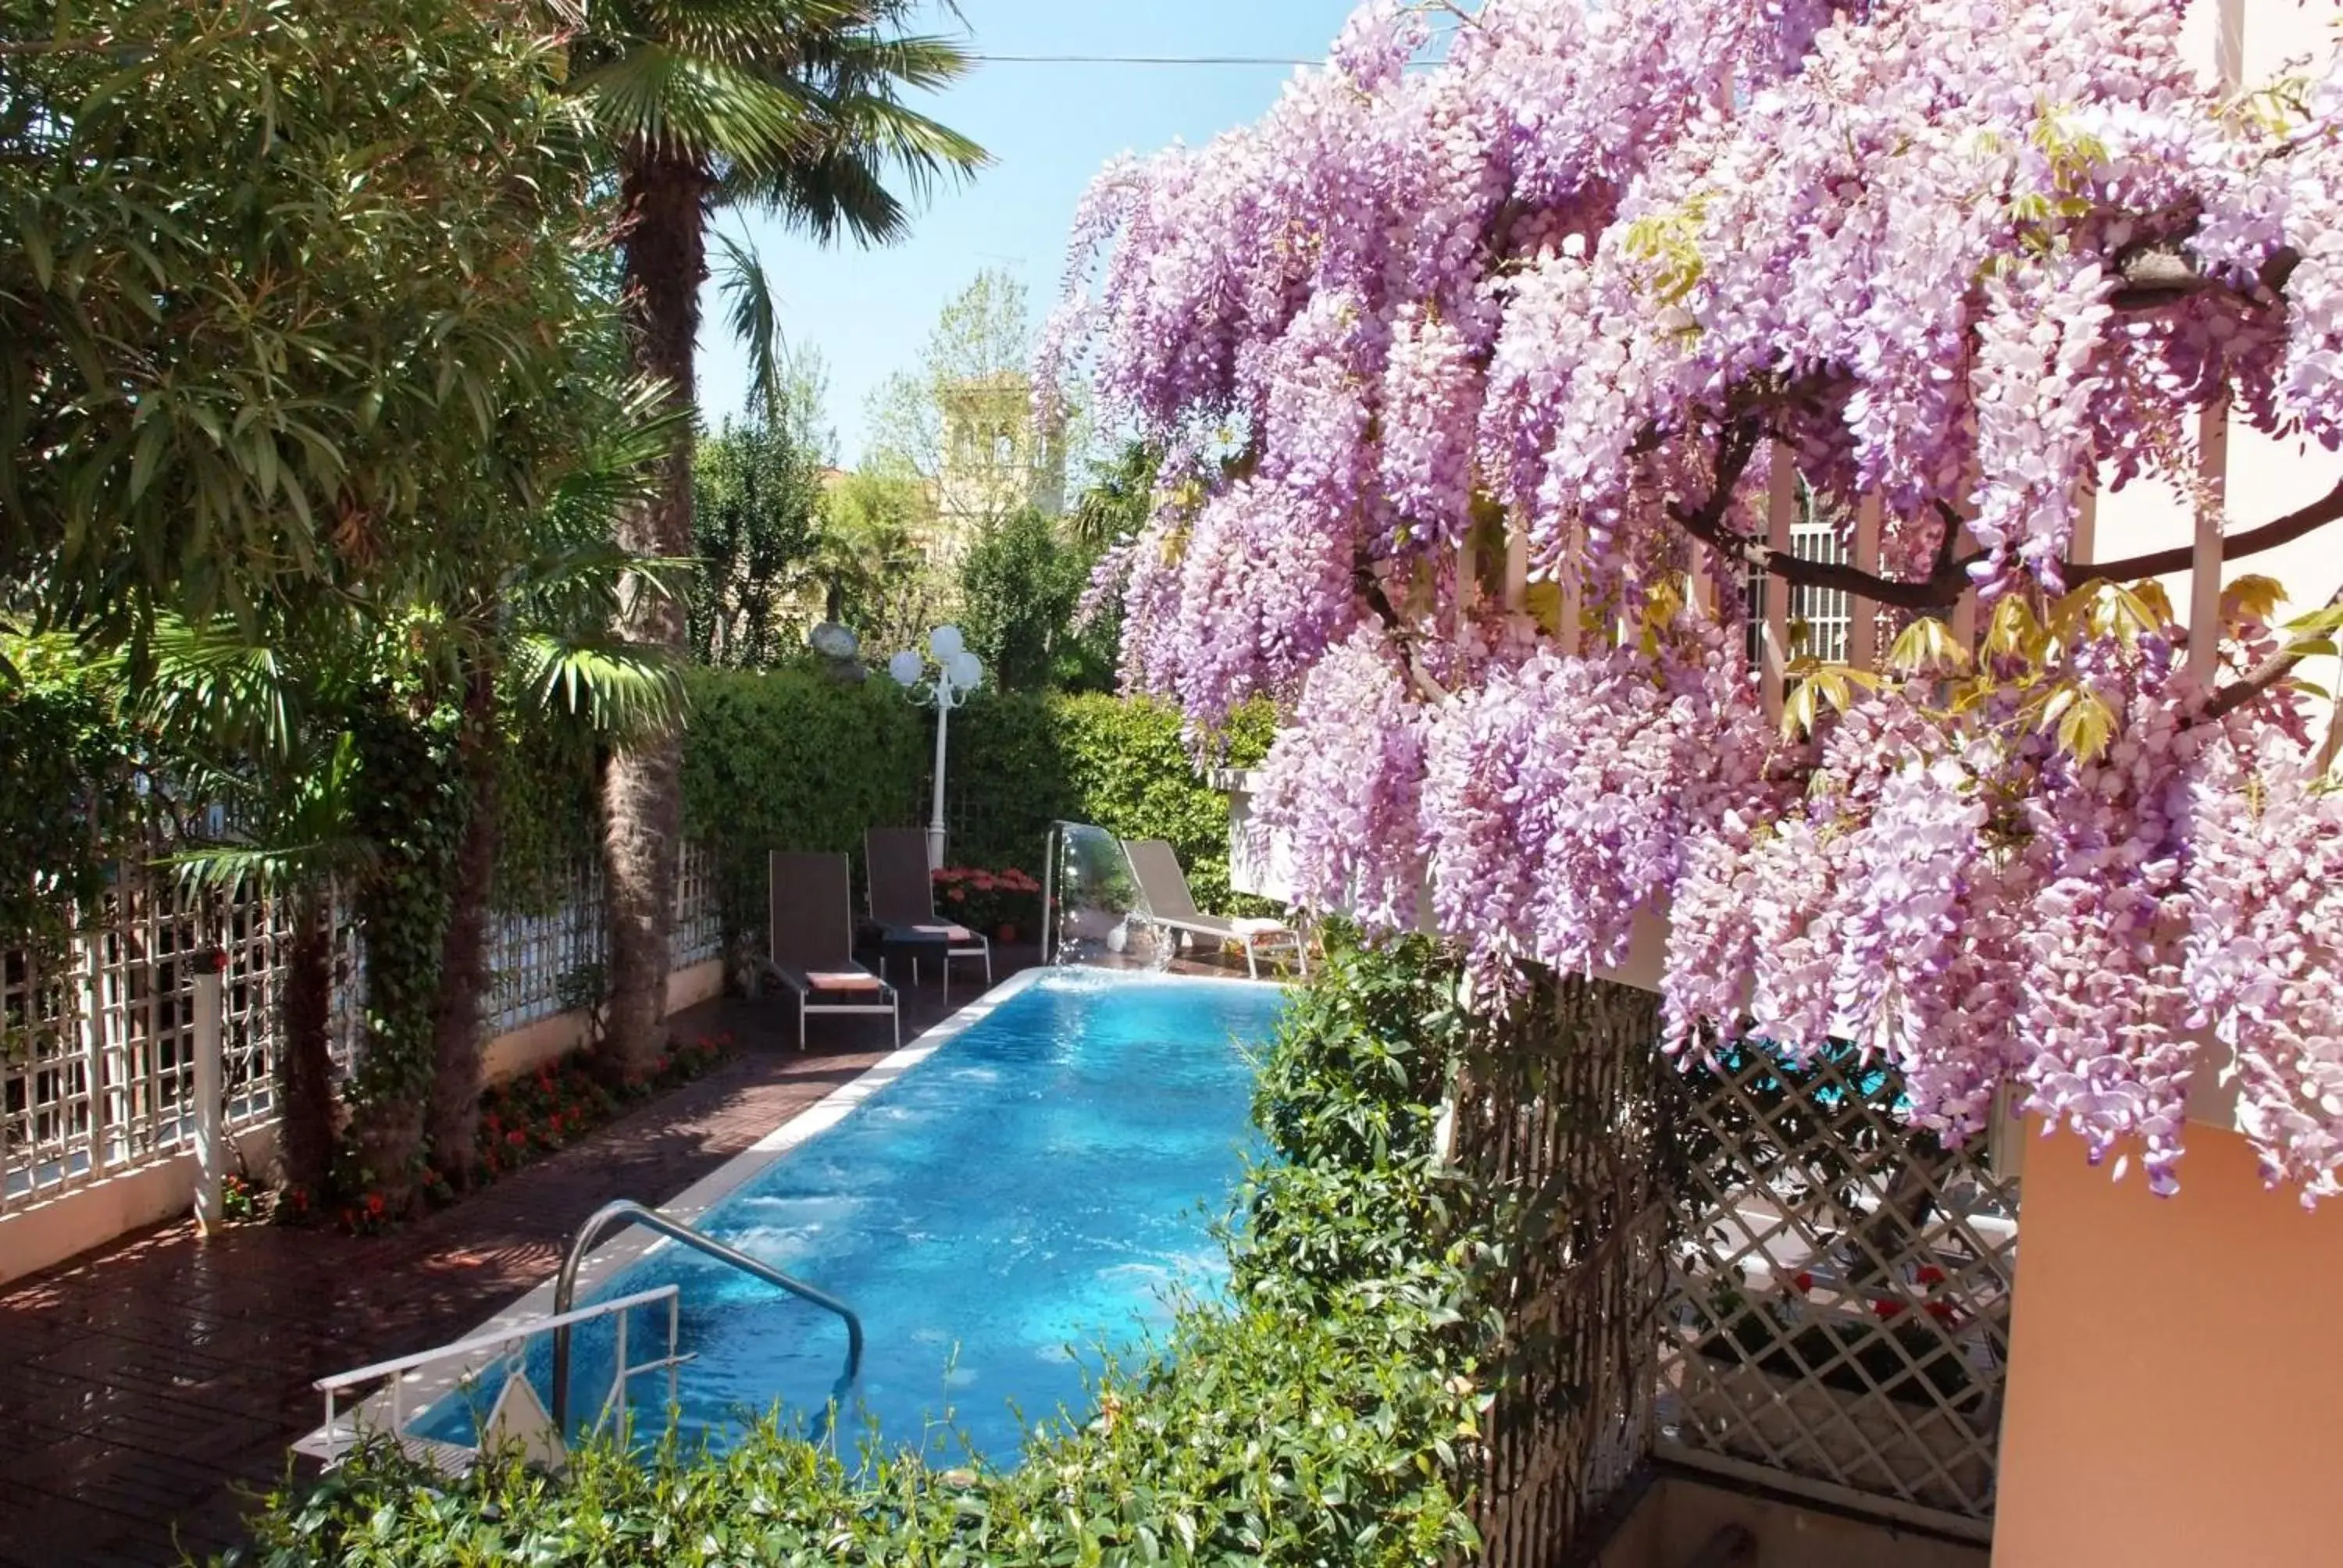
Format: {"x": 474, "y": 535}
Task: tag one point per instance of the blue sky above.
{"x": 1050, "y": 128}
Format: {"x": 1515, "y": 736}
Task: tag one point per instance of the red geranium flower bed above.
{"x": 522, "y": 1120}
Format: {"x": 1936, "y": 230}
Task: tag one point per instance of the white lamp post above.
{"x": 956, "y": 674}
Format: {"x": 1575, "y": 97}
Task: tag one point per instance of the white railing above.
{"x": 331, "y": 1442}
{"x": 97, "y": 1037}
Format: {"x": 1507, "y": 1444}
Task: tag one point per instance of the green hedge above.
{"x": 1328, "y": 1414}
{"x": 793, "y": 759}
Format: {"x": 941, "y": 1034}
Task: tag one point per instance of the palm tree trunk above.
{"x": 452, "y": 1123}
{"x": 665, "y": 260}
{"x": 305, "y": 1067}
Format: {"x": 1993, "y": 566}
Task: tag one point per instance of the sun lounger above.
{"x": 1170, "y": 907}
{"x": 812, "y": 941}
{"x": 903, "y": 901}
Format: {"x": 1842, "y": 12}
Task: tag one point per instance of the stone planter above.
{"x": 1919, "y": 1450}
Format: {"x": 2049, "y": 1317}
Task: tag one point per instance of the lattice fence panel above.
{"x": 699, "y": 933}
{"x": 543, "y": 963}
{"x": 538, "y": 959}
{"x": 1838, "y": 1290}
{"x": 1558, "y": 1123}
{"x": 99, "y": 1071}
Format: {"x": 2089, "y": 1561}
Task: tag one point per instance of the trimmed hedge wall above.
{"x": 793, "y": 759}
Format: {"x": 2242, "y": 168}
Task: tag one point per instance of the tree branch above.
{"x": 1949, "y": 578}
{"x": 1371, "y": 588}
{"x": 2328, "y": 508}
{"x": 2229, "y": 699}
{"x": 1707, "y": 524}
{"x": 2161, "y": 275}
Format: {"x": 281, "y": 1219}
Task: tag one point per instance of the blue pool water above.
{"x": 1027, "y": 1193}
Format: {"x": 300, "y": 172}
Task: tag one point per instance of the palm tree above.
{"x": 537, "y": 634}
{"x": 250, "y": 736}
{"x": 790, "y": 107}
{"x": 1120, "y": 496}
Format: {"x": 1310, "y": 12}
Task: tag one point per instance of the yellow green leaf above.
{"x": 2251, "y": 598}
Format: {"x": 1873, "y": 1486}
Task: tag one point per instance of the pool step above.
{"x": 517, "y": 1417}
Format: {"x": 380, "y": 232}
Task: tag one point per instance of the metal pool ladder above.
{"x": 626, "y": 1212}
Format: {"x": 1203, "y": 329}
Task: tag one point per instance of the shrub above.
{"x": 1325, "y": 1414}
{"x": 793, "y": 759}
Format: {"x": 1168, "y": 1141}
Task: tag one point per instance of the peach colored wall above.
{"x": 2175, "y": 1370}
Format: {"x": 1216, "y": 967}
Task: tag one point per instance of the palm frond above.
{"x": 305, "y": 833}
{"x": 683, "y": 103}
{"x": 215, "y": 681}
{"x": 752, "y": 310}
{"x": 745, "y": 29}
{"x": 632, "y": 434}
{"x": 859, "y": 62}
{"x": 624, "y": 690}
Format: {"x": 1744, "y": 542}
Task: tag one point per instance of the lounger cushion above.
{"x": 847, "y": 980}
{"x": 1256, "y": 926}
{"x": 949, "y": 933}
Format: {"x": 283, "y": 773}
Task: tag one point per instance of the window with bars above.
{"x": 1820, "y": 621}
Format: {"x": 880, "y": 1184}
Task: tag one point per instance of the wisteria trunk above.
{"x": 665, "y": 261}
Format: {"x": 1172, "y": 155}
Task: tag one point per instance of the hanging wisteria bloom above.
{"x": 1510, "y": 347}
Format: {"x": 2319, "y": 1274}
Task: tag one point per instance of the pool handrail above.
{"x": 626, "y": 1210}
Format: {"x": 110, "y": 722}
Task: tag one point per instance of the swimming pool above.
{"x": 1030, "y": 1190}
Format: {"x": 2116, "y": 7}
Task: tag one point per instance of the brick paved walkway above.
{"x": 147, "y": 1387}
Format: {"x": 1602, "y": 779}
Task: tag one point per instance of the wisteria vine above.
{"x": 1575, "y": 281}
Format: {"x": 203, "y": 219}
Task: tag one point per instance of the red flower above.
{"x": 517, "y": 1138}
{"x": 374, "y": 1204}
{"x": 1942, "y": 1311}
{"x": 1929, "y": 1274}
{"x": 1884, "y": 1310}
{"x": 349, "y": 1219}
{"x": 956, "y": 896}
{"x": 1803, "y": 1281}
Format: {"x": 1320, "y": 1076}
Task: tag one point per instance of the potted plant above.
{"x": 986, "y": 899}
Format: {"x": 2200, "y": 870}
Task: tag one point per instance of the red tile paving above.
{"x": 149, "y": 1388}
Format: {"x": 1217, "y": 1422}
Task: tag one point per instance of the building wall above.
{"x": 2174, "y": 1370}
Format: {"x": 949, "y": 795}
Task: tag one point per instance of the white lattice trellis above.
{"x": 98, "y": 1073}
{"x": 1838, "y": 1292}
{"x": 540, "y": 962}
{"x": 96, "y": 1070}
